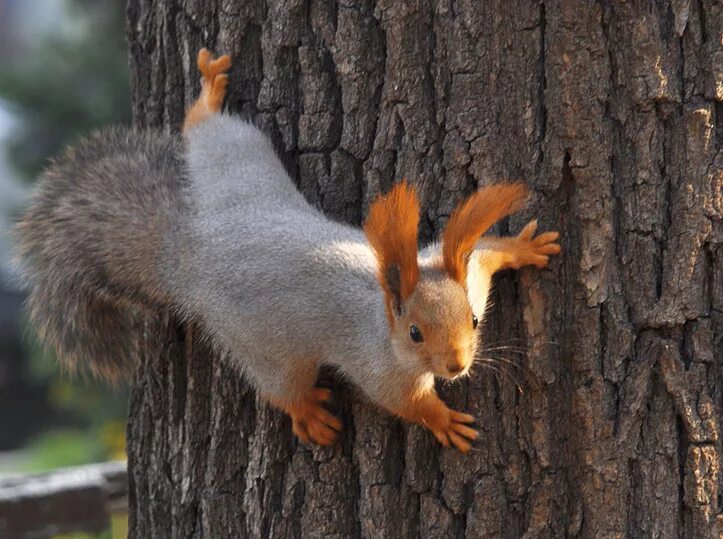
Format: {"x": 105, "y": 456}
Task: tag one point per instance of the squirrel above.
{"x": 209, "y": 224}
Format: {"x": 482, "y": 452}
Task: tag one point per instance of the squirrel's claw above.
{"x": 311, "y": 422}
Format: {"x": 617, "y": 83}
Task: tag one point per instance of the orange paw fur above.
{"x": 213, "y": 77}
{"x": 531, "y": 250}
{"x": 525, "y": 249}
{"x": 450, "y": 427}
{"x": 311, "y": 422}
{"x": 213, "y": 87}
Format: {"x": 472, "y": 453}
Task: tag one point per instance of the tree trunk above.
{"x": 613, "y": 113}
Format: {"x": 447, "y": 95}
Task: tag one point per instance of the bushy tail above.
{"x": 92, "y": 242}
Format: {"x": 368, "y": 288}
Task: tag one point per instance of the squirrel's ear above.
{"x": 391, "y": 228}
{"x": 472, "y": 218}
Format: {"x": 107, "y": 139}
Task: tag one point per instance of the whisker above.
{"x": 522, "y": 342}
{"x": 502, "y": 372}
{"x": 511, "y": 340}
{"x": 507, "y": 361}
{"x": 526, "y": 370}
{"x": 519, "y": 363}
{"x": 515, "y": 350}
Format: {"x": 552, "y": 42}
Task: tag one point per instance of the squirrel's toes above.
{"x": 209, "y": 67}
{"x": 456, "y": 431}
{"x": 312, "y": 422}
{"x": 213, "y": 78}
{"x": 535, "y": 250}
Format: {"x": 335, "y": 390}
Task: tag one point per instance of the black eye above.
{"x": 415, "y": 334}
{"x": 474, "y": 321}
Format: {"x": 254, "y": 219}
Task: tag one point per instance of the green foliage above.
{"x": 68, "y": 83}
{"x": 62, "y": 447}
{"x": 95, "y": 412}
{"x": 59, "y": 448}
{"x": 92, "y": 401}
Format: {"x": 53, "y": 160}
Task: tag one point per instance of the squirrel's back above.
{"x": 261, "y": 252}
{"x": 92, "y": 239}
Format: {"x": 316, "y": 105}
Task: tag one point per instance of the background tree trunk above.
{"x": 613, "y": 113}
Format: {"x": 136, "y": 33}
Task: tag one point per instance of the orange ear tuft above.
{"x": 472, "y": 218}
{"x": 391, "y": 228}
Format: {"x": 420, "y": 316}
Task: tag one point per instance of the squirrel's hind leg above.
{"x": 213, "y": 88}
{"x": 294, "y": 392}
{"x": 310, "y": 421}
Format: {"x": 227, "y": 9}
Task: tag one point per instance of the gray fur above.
{"x": 230, "y": 243}
{"x": 274, "y": 281}
{"x": 91, "y": 241}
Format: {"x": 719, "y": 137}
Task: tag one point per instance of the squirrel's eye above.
{"x": 415, "y": 334}
{"x": 474, "y": 321}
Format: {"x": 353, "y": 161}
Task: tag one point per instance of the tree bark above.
{"x": 613, "y": 113}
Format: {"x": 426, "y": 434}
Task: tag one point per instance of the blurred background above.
{"x": 63, "y": 72}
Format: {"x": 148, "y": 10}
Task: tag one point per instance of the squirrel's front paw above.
{"x": 311, "y": 421}
{"x": 534, "y": 250}
{"x": 452, "y": 428}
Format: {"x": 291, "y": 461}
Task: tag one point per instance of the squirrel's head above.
{"x": 432, "y": 325}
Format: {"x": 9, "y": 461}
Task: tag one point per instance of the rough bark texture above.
{"x": 613, "y": 113}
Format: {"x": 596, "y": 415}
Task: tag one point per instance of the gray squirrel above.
{"x": 209, "y": 225}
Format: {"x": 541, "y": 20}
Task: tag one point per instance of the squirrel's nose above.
{"x": 455, "y": 368}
